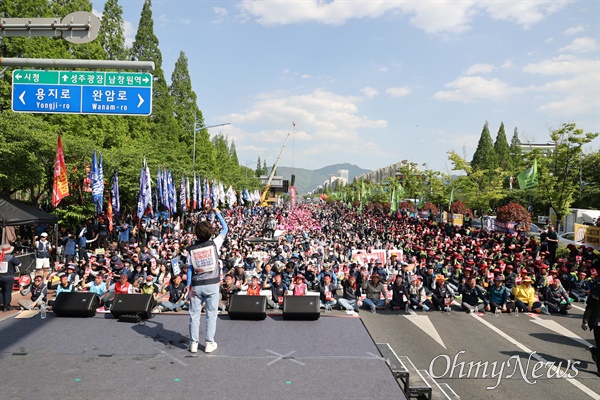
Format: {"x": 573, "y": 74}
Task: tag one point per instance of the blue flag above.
{"x": 145, "y": 193}
{"x": 116, "y": 201}
{"x": 182, "y": 198}
{"x": 97, "y": 184}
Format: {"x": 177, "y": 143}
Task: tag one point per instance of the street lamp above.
{"x": 198, "y": 128}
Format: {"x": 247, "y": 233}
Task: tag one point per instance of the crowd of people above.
{"x": 372, "y": 260}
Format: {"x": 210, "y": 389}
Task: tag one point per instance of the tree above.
{"x": 513, "y": 212}
{"x": 111, "y": 34}
{"x": 589, "y": 189}
{"x": 485, "y": 156}
{"x": 559, "y": 172}
{"x": 258, "y": 171}
{"x": 515, "y": 152}
{"x": 145, "y": 48}
{"x": 479, "y": 187}
{"x": 184, "y": 99}
{"x": 502, "y": 150}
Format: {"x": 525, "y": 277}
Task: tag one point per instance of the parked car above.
{"x": 568, "y": 238}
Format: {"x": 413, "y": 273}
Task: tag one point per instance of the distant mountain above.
{"x": 308, "y": 180}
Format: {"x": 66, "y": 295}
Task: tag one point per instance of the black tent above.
{"x": 14, "y": 213}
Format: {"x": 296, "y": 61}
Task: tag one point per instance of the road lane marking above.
{"x": 556, "y": 327}
{"x": 536, "y": 356}
{"x": 424, "y": 323}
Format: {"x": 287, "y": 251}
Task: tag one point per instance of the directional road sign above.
{"x": 82, "y": 92}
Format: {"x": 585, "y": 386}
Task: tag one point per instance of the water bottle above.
{"x": 43, "y": 311}
{"x": 497, "y": 311}
{"x": 516, "y": 311}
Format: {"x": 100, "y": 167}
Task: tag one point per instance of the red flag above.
{"x": 109, "y": 214}
{"x": 60, "y": 189}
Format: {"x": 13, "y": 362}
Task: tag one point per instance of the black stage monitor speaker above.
{"x": 301, "y": 308}
{"x": 248, "y": 307}
{"x": 76, "y": 304}
{"x": 133, "y": 304}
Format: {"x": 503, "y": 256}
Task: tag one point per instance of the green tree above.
{"x": 590, "y": 182}
{"x": 184, "y": 99}
{"x": 145, "y": 48}
{"x": 485, "y": 156}
{"x": 26, "y": 154}
{"x": 258, "y": 171}
{"x": 558, "y": 176}
{"x": 502, "y": 150}
{"x": 515, "y": 152}
{"x": 479, "y": 188}
{"x": 111, "y": 34}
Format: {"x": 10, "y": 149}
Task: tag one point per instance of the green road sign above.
{"x": 83, "y": 78}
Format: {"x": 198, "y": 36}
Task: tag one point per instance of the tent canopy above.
{"x": 14, "y": 213}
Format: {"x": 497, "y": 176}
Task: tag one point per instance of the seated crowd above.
{"x": 351, "y": 261}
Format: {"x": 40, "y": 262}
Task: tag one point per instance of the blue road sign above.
{"x": 105, "y": 93}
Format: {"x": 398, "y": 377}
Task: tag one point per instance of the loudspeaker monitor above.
{"x": 248, "y": 307}
{"x": 304, "y": 308}
{"x": 133, "y": 304}
{"x": 76, "y": 304}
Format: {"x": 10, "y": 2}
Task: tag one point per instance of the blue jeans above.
{"x": 373, "y": 304}
{"x": 328, "y": 304}
{"x": 171, "y": 306}
{"x": 349, "y": 305}
{"x": 208, "y": 294}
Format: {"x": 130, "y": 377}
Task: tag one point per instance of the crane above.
{"x": 263, "y": 197}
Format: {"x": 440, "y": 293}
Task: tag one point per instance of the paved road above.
{"x": 434, "y": 341}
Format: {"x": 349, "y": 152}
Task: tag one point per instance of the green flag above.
{"x": 528, "y": 178}
{"x": 362, "y": 192}
{"x": 421, "y": 202}
{"x": 393, "y": 202}
{"x": 451, "y": 198}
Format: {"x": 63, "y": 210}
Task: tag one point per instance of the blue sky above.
{"x": 377, "y": 82}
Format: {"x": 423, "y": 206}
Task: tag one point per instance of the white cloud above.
{"x": 581, "y": 45}
{"x": 575, "y": 89}
{"x": 221, "y": 14}
{"x": 163, "y": 20}
{"x": 574, "y": 30}
{"x": 398, "y": 91}
{"x": 369, "y": 92}
{"x": 434, "y": 17}
{"x": 480, "y": 69}
{"x": 524, "y": 13}
{"x": 324, "y": 121}
{"x": 508, "y": 64}
{"x": 467, "y": 89}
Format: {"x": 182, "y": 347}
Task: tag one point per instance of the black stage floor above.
{"x": 69, "y": 358}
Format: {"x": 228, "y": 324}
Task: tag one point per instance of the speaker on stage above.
{"x": 248, "y": 307}
{"x": 301, "y": 308}
{"x": 76, "y": 304}
{"x": 140, "y": 305}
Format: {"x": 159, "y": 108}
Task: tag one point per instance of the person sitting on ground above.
{"x": 254, "y": 287}
{"x": 177, "y": 291}
{"x": 581, "y": 288}
{"x": 38, "y": 290}
{"x": 400, "y": 294}
{"x": 278, "y": 290}
{"x": 149, "y": 287}
{"x": 471, "y": 294}
{"x": 63, "y": 286}
{"x": 239, "y": 277}
{"x": 442, "y": 294}
{"x": 122, "y": 286}
{"x": 327, "y": 293}
{"x": 497, "y": 295}
{"x": 417, "y": 295}
{"x": 350, "y": 299}
{"x": 554, "y": 296}
{"x": 326, "y": 271}
{"x": 376, "y": 298}
{"x": 298, "y": 286}
{"x": 98, "y": 286}
{"x": 228, "y": 289}
{"x": 524, "y": 295}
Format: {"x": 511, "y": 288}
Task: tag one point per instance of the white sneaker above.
{"x": 194, "y": 347}
{"x": 210, "y": 347}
